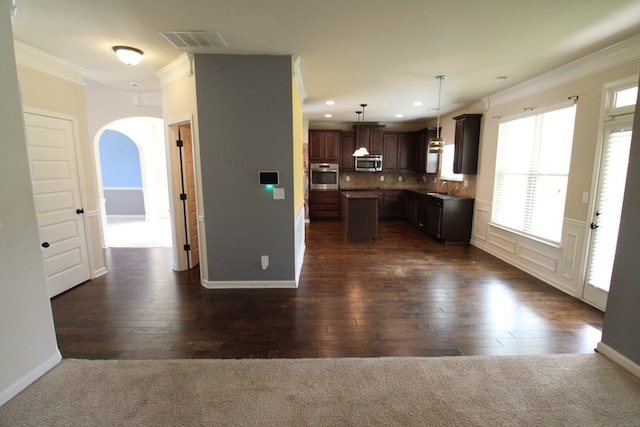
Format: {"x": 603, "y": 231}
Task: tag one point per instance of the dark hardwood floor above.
{"x": 404, "y": 294}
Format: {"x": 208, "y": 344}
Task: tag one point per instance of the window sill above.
{"x": 549, "y": 243}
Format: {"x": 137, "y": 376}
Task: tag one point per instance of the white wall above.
{"x": 27, "y": 337}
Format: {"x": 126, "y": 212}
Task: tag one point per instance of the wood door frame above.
{"x": 175, "y": 188}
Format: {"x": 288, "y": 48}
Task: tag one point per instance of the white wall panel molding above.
{"x": 538, "y": 257}
{"x": 560, "y": 266}
{"x": 497, "y": 238}
{"x": 299, "y": 242}
{"x": 481, "y": 219}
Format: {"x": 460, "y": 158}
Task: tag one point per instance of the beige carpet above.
{"x": 557, "y": 390}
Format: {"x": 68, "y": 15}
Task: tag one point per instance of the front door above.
{"x": 56, "y": 190}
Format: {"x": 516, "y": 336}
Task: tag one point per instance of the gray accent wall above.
{"x": 245, "y": 125}
{"x": 621, "y": 329}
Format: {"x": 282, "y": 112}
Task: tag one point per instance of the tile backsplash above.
{"x": 350, "y": 180}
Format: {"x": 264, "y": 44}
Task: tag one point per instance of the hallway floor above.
{"x": 131, "y": 232}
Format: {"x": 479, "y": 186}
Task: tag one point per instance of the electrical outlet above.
{"x": 400, "y": 178}
{"x": 381, "y": 177}
{"x": 348, "y": 178}
{"x": 264, "y": 261}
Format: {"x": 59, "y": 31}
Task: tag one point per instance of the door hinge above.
{"x": 183, "y": 196}
{"x": 187, "y": 247}
{"x": 179, "y": 143}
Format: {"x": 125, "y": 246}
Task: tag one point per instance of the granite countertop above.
{"x": 359, "y": 194}
{"x": 431, "y": 193}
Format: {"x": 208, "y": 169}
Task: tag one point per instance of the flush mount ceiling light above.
{"x": 436, "y": 144}
{"x": 128, "y": 55}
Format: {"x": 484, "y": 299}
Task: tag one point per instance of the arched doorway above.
{"x": 132, "y": 179}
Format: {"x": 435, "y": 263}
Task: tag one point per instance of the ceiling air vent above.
{"x": 194, "y": 39}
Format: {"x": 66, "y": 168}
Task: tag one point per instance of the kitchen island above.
{"x": 360, "y": 215}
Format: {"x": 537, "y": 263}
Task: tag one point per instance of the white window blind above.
{"x": 532, "y": 170}
{"x": 613, "y": 176}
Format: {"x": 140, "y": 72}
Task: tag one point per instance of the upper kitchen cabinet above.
{"x": 397, "y": 151}
{"x": 370, "y": 136}
{"x": 348, "y": 146}
{"x": 324, "y": 146}
{"x": 467, "y": 141}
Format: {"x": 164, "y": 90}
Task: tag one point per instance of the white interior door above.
{"x": 54, "y": 173}
{"x": 608, "y": 209}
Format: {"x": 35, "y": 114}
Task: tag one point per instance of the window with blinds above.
{"x": 532, "y": 171}
{"x": 613, "y": 176}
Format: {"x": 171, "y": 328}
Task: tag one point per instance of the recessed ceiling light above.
{"x": 417, "y": 103}
{"x": 399, "y": 115}
{"x": 328, "y": 116}
{"x": 330, "y": 102}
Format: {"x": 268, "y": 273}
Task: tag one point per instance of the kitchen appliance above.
{"x": 324, "y": 176}
{"x": 370, "y": 163}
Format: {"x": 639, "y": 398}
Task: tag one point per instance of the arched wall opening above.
{"x": 134, "y": 184}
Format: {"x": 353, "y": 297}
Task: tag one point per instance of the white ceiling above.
{"x": 385, "y": 53}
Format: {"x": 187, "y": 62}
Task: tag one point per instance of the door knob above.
{"x": 45, "y": 244}
{"x": 79, "y": 211}
{"x": 594, "y": 226}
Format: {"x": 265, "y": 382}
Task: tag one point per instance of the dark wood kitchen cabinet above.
{"x": 324, "y": 146}
{"x": 324, "y": 204}
{"x": 467, "y": 142}
{"x": 447, "y": 218}
{"x": 369, "y": 136}
{"x": 392, "y": 204}
{"x": 347, "y": 147}
{"x": 396, "y": 152}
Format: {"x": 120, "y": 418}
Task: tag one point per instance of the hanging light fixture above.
{"x": 362, "y": 151}
{"x": 128, "y": 55}
{"x": 436, "y": 145}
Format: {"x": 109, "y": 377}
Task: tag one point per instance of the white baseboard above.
{"x": 30, "y": 377}
{"x": 619, "y": 358}
{"x": 253, "y": 284}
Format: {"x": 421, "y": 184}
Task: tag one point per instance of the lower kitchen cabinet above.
{"x": 391, "y": 204}
{"x": 324, "y": 204}
{"x": 447, "y": 218}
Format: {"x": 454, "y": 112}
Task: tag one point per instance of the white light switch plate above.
{"x": 278, "y": 194}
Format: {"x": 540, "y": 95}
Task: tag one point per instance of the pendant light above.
{"x": 362, "y": 151}
{"x": 436, "y": 145}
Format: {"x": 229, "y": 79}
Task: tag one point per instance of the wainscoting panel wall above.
{"x": 561, "y": 266}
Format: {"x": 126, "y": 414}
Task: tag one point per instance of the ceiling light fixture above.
{"x": 436, "y": 144}
{"x": 128, "y": 55}
{"x": 362, "y": 151}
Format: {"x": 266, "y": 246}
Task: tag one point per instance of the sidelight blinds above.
{"x": 532, "y": 169}
{"x": 613, "y": 175}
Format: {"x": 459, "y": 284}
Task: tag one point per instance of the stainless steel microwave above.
{"x": 370, "y": 163}
{"x": 324, "y": 176}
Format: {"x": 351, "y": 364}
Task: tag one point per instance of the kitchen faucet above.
{"x": 444, "y": 182}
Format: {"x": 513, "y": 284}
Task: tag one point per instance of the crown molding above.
{"x": 609, "y": 57}
{"x": 39, "y": 60}
{"x": 177, "y": 70}
{"x": 297, "y": 76}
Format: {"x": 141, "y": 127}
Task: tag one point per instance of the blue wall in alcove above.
{"x": 119, "y": 161}
{"x": 121, "y": 174}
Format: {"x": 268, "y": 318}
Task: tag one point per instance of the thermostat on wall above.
{"x": 269, "y": 178}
